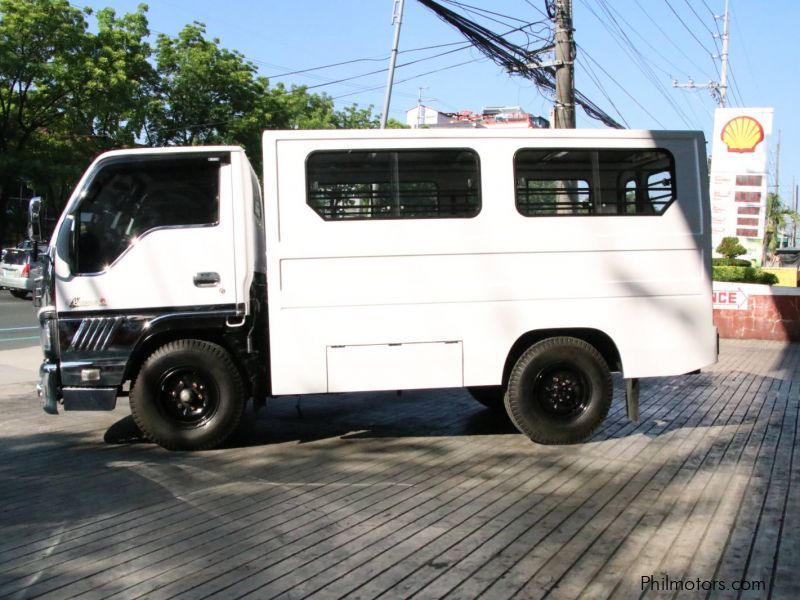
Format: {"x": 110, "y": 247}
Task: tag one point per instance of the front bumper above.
{"x": 52, "y": 393}
{"x": 48, "y": 387}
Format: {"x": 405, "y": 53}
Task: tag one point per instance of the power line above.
{"x": 593, "y": 76}
{"x": 743, "y": 47}
{"x": 380, "y": 87}
{"x": 357, "y": 60}
{"x": 620, "y": 86}
{"x": 413, "y": 62}
{"x": 622, "y": 39}
{"x": 669, "y": 39}
{"x": 687, "y": 28}
{"x": 512, "y": 57}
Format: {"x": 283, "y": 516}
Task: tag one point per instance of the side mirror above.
{"x": 34, "y": 222}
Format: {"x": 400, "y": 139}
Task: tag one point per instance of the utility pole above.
{"x": 397, "y": 20}
{"x": 720, "y": 90}
{"x": 564, "y": 113}
{"x": 794, "y": 208}
{"x": 420, "y": 109}
{"x": 723, "y": 78}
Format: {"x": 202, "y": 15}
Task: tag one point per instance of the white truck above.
{"x": 525, "y": 266}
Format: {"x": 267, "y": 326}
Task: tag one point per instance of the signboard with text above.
{"x": 739, "y": 176}
{"x": 729, "y": 299}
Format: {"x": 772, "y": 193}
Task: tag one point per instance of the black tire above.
{"x": 559, "y": 391}
{"x": 21, "y": 294}
{"x": 188, "y": 395}
{"x": 491, "y": 396}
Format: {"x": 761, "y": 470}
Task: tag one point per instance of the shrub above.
{"x": 731, "y": 262}
{"x": 730, "y": 247}
{"x": 743, "y": 275}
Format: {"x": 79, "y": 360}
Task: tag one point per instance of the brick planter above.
{"x": 757, "y": 312}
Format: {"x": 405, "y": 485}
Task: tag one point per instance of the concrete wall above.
{"x": 760, "y": 312}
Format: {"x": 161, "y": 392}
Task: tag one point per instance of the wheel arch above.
{"x": 598, "y": 339}
{"x": 176, "y": 330}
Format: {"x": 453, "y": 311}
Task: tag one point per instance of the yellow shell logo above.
{"x": 742, "y": 134}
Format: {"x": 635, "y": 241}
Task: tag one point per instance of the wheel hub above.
{"x": 186, "y": 398}
{"x": 562, "y": 391}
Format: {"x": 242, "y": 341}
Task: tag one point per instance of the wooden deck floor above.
{"x": 425, "y": 495}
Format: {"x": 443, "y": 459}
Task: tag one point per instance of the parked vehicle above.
{"x": 526, "y": 266}
{"x": 15, "y": 271}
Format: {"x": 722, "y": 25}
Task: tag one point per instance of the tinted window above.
{"x": 125, "y": 200}
{"x": 394, "y": 184}
{"x": 593, "y": 182}
{"x": 15, "y": 257}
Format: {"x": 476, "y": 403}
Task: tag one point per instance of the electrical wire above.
{"x": 687, "y": 28}
{"x": 596, "y": 80}
{"x": 513, "y": 58}
{"x": 670, "y": 40}
{"x": 417, "y": 76}
{"x": 357, "y": 60}
{"x": 413, "y": 62}
{"x": 743, "y": 47}
{"x": 613, "y": 79}
{"x": 621, "y": 38}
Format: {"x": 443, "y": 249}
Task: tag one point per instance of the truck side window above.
{"x": 557, "y": 182}
{"x": 394, "y": 184}
{"x": 126, "y": 200}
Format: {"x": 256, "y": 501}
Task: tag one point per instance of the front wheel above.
{"x": 559, "y": 391}
{"x": 188, "y": 395}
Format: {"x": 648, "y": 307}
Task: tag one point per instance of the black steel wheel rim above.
{"x": 188, "y": 397}
{"x": 562, "y": 390}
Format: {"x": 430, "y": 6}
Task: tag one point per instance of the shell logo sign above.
{"x": 742, "y": 134}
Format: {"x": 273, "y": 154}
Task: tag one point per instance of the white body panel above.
{"x": 158, "y": 270}
{"x": 484, "y": 281}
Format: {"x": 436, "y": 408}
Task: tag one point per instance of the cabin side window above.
{"x": 559, "y": 182}
{"x": 127, "y": 199}
{"x": 393, "y": 184}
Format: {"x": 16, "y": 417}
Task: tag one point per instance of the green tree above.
{"x": 778, "y": 217}
{"x": 65, "y": 93}
{"x": 206, "y": 93}
{"x": 730, "y": 248}
{"x": 211, "y": 95}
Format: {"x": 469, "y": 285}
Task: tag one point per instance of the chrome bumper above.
{"x": 47, "y": 388}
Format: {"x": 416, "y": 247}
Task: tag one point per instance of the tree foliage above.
{"x": 69, "y": 91}
{"x": 730, "y": 248}
{"x": 65, "y": 93}
{"x": 778, "y": 217}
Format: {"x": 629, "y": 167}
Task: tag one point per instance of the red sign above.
{"x": 729, "y": 299}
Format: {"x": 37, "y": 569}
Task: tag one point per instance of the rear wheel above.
{"x": 21, "y": 294}
{"x": 188, "y": 395}
{"x": 559, "y": 391}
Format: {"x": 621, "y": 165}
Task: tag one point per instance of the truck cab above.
{"x": 155, "y": 246}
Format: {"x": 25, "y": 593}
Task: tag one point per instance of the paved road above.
{"x": 18, "y": 325}
{"x": 421, "y": 495}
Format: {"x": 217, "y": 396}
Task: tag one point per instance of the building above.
{"x": 491, "y": 117}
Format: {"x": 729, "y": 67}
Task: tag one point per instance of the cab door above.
{"x": 149, "y": 233}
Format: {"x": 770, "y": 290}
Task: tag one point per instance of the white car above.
{"x": 15, "y": 271}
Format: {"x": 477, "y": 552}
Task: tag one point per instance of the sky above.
{"x": 628, "y": 54}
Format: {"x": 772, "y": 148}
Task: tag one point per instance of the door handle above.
{"x": 209, "y": 279}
